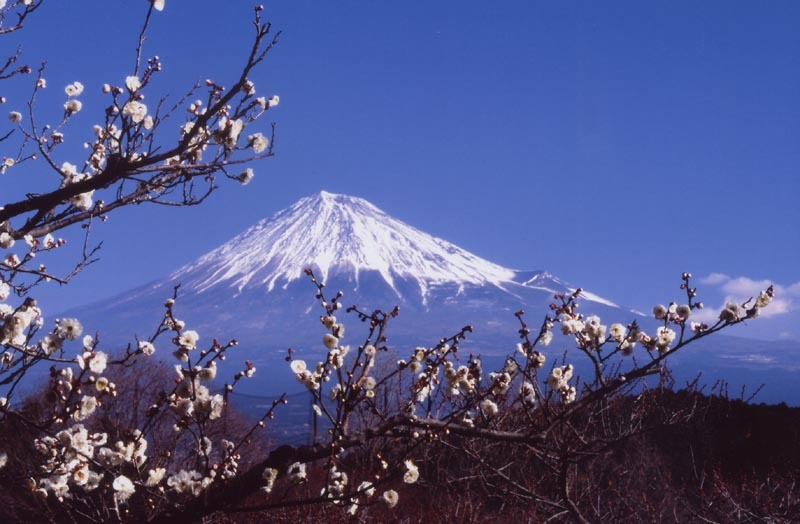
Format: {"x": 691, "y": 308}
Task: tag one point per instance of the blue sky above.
{"x": 615, "y": 144}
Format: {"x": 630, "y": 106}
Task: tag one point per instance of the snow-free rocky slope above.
{"x": 253, "y": 288}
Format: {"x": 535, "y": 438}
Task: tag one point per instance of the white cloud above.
{"x": 715, "y": 278}
{"x": 743, "y": 286}
{"x": 741, "y": 289}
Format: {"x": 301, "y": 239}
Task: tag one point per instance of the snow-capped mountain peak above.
{"x": 337, "y": 234}
{"x": 253, "y": 287}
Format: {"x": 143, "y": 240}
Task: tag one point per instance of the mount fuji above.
{"x": 349, "y": 241}
{"x": 253, "y": 288}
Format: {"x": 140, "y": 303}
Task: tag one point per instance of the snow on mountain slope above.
{"x": 547, "y": 282}
{"x": 339, "y": 234}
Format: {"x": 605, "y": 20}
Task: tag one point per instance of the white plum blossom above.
{"x": 489, "y": 408}
{"x": 660, "y": 312}
{"x": 337, "y": 482}
{"x": 15, "y": 116}
{"x": 49, "y": 242}
{"x": 188, "y": 340}
{"x": 763, "y": 300}
{"x": 367, "y": 383}
{"x": 297, "y": 472}
{"x": 155, "y": 476}
{"x": 209, "y": 372}
{"x": 698, "y": 327}
{"x": 146, "y": 347}
{"x": 617, "y": 332}
{"x": 249, "y": 88}
{"x": 269, "y": 475}
{"x": 527, "y": 393}
{"x": 627, "y": 346}
{"x": 246, "y": 176}
{"x": 6, "y": 240}
{"x": 258, "y": 142}
{"x": 215, "y": 405}
{"x": 730, "y": 313}
{"x": 390, "y": 497}
{"x": 571, "y": 326}
{"x": 330, "y": 341}
{"x": 412, "y": 472}
{"x": 98, "y": 362}
{"x": 82, "y": 201}
{"x": 133, "y": 83}
{"x": 186, "y": 482}
{"x": 86, "y": 407}
{"x": 367, "y": 488}
{"x": 135, "y": 110}
{"x": 51, "y": 343}
{"x": 500, "y": 382}
{"x": 16, "y": 323}
{"x": 158, "y": 5}
{"x": 664, "y": 337}
{"x": 81, "y": 475}
{"x": 558, "y": 380}
{"x": 310, "y": 380}
{"x": 335, "y": 391}
{"x": 72, "y": 106}
{"x": 594, "y": 329}
{"x": 124, "y": 487}
{"x": 229, "y": 131}
{"x": 683, "y": 311}
{"x": 74, "y": 89}
{"x": 555, "y": 380}
{"x": 102, "y": 384}
{"x": 69, "y": 328}
{"x": 70, "y": 172}
{"x": 298, "y": 366}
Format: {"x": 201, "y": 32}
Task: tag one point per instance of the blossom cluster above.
{"x": 75, "y": 460}
{"x": 125, "y": 141}
{"x": 67, "y": 460}
{"x": 126, "y": 162}
{"x": 558, "y": 381}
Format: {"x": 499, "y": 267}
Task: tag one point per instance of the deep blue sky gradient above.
{"x": 615, "y": 144}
